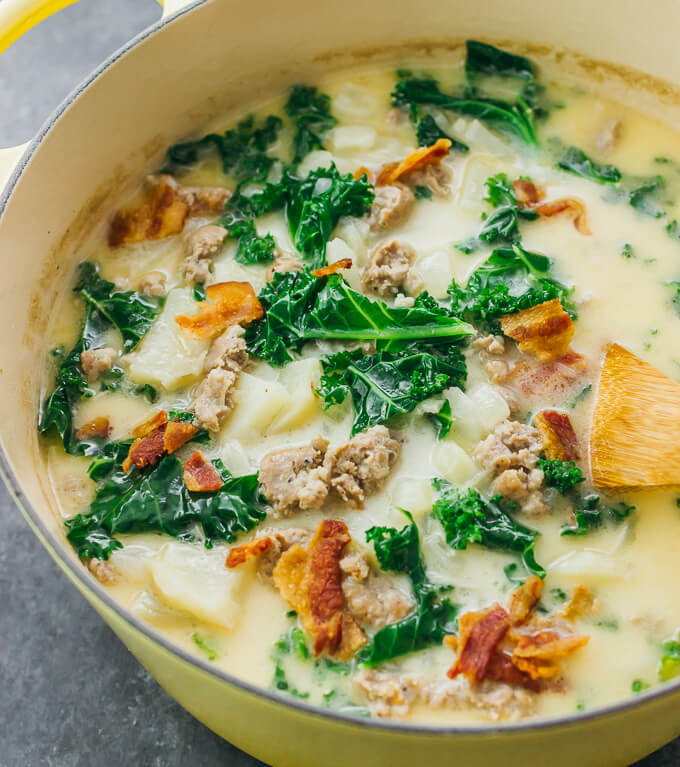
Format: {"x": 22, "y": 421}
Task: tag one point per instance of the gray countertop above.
{"x": 70, "y": 693}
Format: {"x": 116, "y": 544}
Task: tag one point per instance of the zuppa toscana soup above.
{"x": 369, "y": 397}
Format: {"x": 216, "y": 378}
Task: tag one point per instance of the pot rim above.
{"x": 81, "y": 574}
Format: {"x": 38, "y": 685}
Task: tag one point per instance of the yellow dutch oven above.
{"x": 205, "y": 58}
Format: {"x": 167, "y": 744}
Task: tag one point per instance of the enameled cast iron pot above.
{"x": 198, "y": 61}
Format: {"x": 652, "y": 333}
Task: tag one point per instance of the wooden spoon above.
{"x": 635, "y": 439}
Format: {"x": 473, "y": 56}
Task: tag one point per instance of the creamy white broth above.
{"x": 631, "y": 567}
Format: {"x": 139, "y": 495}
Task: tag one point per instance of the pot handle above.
{"x": 172, "y": 6}
{"x": 18, "y": 16}
{"x": 9, "y": 159}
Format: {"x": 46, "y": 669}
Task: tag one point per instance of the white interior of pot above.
{"x": 212, "y": 59}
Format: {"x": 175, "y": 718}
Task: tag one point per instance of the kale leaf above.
{"x": 589, "y": 515}
{"x": 239, "y": 217}
{"x": 422, "y": 629}
{"x": 399, "y": 551}
{"x": 486, "y": 60}
{"x": 428, "y": 132}
{"x": 71, "y": 385}
{"x": 157, "y": 500}
{"x": 251, "y": 248}
{"x": 467, "y": 518}
{"x": 313, "y": 206}
{"x": 643, "y": 194}
{"x": 300, "y": 307}
{"x": 384, "y": 384}
{"x": 483, "y": 58}
{"x": 576, "y": 161}
{"x": 514, "y": 119}
{"x": 510, "y": 280}
{"x": 311, "y": 112}
{"x": 563, "y": 475}
{"x": 442, "y": 419}
{"x": 243, "y": 149}
{"x": 131, "y": 313}
{"x": 503, "y": 222}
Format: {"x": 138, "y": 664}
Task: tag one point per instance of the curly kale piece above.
{"x": 468, "y": 518}
{"x": 313, "y": 206}
{"x": 442, "y": 419}
{"x": 399, "y": 551}
{"x": 243, "y": 149}
{"x": 130, "y": 313}
{"x": 311, "y": 112}
{"x": 516, "y": 119}
{"x": 385, "y": 384}
{"x": 502, "y": 224}
{"x": 510, "y": 280}
{"x": 428, "y": 132}
{"x": 576, "y": 161}
{"x": 562, "y": 475}
{"x": 157, "y": 500}
{"x": 484, "y": 60}
{"x": 589, "y": 515}
{"x": 300, "y": 307}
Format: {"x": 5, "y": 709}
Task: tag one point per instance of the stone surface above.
{"x": 70, "y": 693}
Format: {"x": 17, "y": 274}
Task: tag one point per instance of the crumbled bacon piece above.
{"x": 519, "y": 647}
{"x": 572, "y": 207}
{"x": 176, "y": 434}
{"x": 524, "y": 599}
{"x": 97, "y": 427}
{"x": 559, "y": 438}
{"x": 526, "y": 192}
{"x": 229, "y": 303}
{"x": 240, "y": 554}
{"x": 426, "y": 155}
{"x": 535, "y": 653}
{"x": 156, "y": 420}
{"x": 502, "y": 669}
{"x": 582, "y": 602}
{"x": 530, "y": 196}
{"x": 343, "y": 263}
{"x": 480, "y": 633}
{"x": 310, "y": 580}
{"x": 166, "y": 438}
{"x": 200, "y": 476}
{"x": 160, "y": 215}
{"x": 544, "y": 330}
